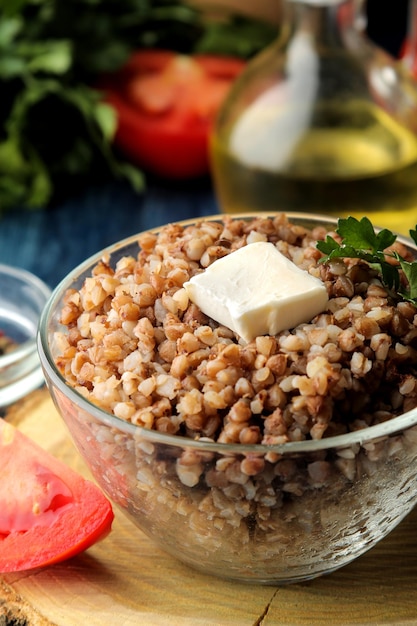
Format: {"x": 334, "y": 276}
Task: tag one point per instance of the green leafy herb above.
{"x": 359, "y": 240}
{"x": 55, "y": 134}
{"x": 235, "y": 35}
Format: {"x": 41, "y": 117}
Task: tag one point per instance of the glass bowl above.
{"x": 269, "y": 514}
{"x": 22, "y": 298}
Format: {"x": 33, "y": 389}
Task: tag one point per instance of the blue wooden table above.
{"x": 51, "y": 242}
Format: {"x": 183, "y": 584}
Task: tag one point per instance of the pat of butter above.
{"x": 257, "y": 291}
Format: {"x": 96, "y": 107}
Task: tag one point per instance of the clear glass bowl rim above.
{"x": 54, "y": 377}
{"x": 37, "y": 285}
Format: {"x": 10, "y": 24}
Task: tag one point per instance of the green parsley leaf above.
{"x": 390, "y": 275}
{"x": 410, "y": 271}
{"x": 413, "y": 235}
{"x": 385, "y": 239}
{"x": 357, "y": 234}
{"x": 360, "y": 234}
{"x": 328, "y": 246}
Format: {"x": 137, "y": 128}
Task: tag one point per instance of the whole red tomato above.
{"x": 166, "y": 104}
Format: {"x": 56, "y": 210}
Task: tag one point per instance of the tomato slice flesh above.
{"x": 48, "y": 512}
{"x": 32, "y": 502}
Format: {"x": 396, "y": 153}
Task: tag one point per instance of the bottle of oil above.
{"x": 322, "y": 121}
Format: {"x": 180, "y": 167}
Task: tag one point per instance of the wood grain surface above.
{"x": 126, "y": 580}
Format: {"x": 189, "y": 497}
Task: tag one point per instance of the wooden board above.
{"x": 126, "y": 580}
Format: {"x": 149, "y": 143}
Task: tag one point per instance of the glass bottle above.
{"x": 322, "y": 121}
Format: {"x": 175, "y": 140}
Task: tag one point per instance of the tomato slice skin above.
{"x": 48, "y": 512}
{"x": 165, "y": 128}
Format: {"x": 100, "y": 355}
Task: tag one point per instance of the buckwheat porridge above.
{"x": 135, "y": 345}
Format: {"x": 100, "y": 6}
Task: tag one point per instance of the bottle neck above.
{"x": 320, "y": 50}
{"x": 324, "y": 22}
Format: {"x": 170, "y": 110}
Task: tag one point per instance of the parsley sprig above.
{"x": 359, "y": 240}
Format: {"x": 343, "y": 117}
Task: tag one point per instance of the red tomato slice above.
{"x": 48, "y": 512}
{"x": 166, "y": 105}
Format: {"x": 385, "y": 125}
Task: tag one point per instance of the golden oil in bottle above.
{"x": 354, "y": 159}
